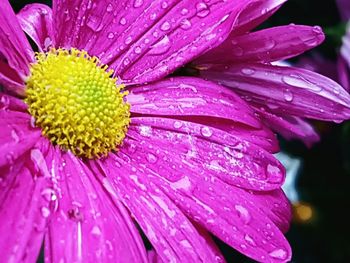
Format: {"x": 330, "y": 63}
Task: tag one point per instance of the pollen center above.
{"x": 77, "y": 103}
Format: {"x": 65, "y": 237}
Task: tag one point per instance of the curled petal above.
{"x": 36, "y": 21}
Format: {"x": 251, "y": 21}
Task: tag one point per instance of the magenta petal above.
{"x": 16, "y": 135}
{"x": 13, "y": 43}
{"x": 267, "y": 45}
{"x": 254, "y": 13}
{"x": 227, "y": 211}
{"x": 8, "y": 102}
{"x": 171, "y": 233}
{"x": 185, "y": 96}
{"x": 208, "y": 151}
{"x": 88, "y": 226}
{"x": 345, "y": 48}
{"x": 10, "y": 80}
{"x": 24, "y": 210}
{"x": 286, "y": 90}
{"x": 291, "y": 127}
{"x": 276, "y": 205}
{"x": 36, "y": 21}
{"x": 145, "y": 40}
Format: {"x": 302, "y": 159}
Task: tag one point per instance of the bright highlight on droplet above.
{"x": 77, "y": 103}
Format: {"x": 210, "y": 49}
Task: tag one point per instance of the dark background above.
{"x": 324, "y": 179}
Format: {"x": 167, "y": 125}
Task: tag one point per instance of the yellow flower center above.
{"x": 76, "y": 102}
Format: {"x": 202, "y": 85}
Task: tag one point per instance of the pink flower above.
{"x": 282, "y": 96}
{"x": 90, "y": 155}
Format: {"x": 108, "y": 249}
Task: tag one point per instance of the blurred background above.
{"x": 319, "y": 177}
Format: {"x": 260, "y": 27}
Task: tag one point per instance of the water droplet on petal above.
{"x": 177, "y": 124}
{"x": 270, "y": 44}
{"x": 109, "y": 8}
{"x": 206, "y": 131}
{"x": 151, "y": 158}
{"x": 137, "y": 50}
{"x": 45, "y": 212}
{"x": 164, "y": 5}
{"x": 122, "y": 21}
{"x": 138, "y": 3}
{"x": 110, "y": 35}
{"x": 202, "y": 9}
{"x": 247, "y": 71}
{"x": 250, "y": 240}
{"x": 184, "y": 11}
{"x": 160, "y": 47}
{"x": 96, "y": 231}
{"x": 288, "y": 95}
{"x": 128, "y": 40}
{"x": 165, "y": 26}
{"x": 186, "y": 24}
{"x": 243, "y": 213}
{"x": 278, "y": 253}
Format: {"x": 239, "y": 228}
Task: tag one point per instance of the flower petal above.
{"x": 254, "y": 13}
{"x": 24, "y": 209}
{"x": 148, "y": 39}
{"x": 286, "y": 90}
{"x": 8, "y": 102}
{"x": 276, "y": 43}
{"x": 171, "y": 233}
{"x": 16, "y": 135}
{"x": 184, "y": 96}
{"x": 210, "y": 151}
{"x": 87, "y": 227}
{"x": 14, "y": 45}
{"x": 36, "y": 21}
{"x": 10, "y": 80}
{"x": 290, "y": 127}
{"x": 227, "y": 211}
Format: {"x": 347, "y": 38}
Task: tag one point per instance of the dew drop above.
{"x": 122, "y": 21}
{"x": 164, "y": 5}
{"x": 243, "y": 213}
{"x": 110, "y": 35}
{"x": 206, "y": 131}
{"x": 202, "y": 10}
{"x": 186, "y": 24}
{"x": 184, "y": 11}
{"x": 278, "y": 253}
{"x": 45, "y": 212}
{"x": 128, "y": 40}
{"x": 109, "y": 8}
{"x": 151, "y": 158}
{"x": 177, "y": 124}
{"x": 270, "y": 44}
{"x": 138, "y": 3}
{"x": 288, "y": 95}
{"x": 126, "y": 61}
{"x": 165, "y": 26}
{"x": 160, "y": 47}
{"x": 96, "y": 231}
{"x": 247, "y": 71}
{"x": 137, "y": 50}
{"x": 250, "y": 240}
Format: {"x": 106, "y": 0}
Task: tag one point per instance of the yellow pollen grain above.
{"x": 76, "y": 102}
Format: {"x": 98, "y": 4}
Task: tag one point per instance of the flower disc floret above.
{"x": 77, "y": 103}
